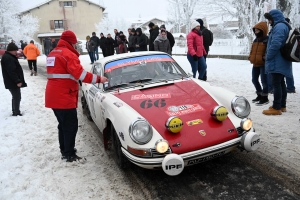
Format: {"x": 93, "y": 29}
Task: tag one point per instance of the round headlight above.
{"x": 240, "y": 107}
{"x": 162, "y": 146}
{"x": 140, "y": 131}
{"x": 246, "y": 124}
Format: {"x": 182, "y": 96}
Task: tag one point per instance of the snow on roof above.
{"x": 177, "y": 35}
{"x": 27, "y": 10}
{"x": 48, "y": 34}
{"x": 231, "y": 28}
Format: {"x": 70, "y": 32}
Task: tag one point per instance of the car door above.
{"x": 97, "y": 97}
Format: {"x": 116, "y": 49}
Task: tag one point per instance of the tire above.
{"x": 85, "y": 108}
{"x": 119, "y": 157}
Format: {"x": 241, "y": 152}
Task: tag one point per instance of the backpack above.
{"x": 291, "y": 48}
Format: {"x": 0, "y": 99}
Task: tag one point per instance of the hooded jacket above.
{"x": 153, "y": 34}
{"x": 259, "y": 46}
{"x": 275, "y": 63}
{"x": 162, "y": 44}
{"x": 63, "y": 71}
{"x": 141, "y": 40}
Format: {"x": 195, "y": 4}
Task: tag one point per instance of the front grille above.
{"x": 155, "y": 154}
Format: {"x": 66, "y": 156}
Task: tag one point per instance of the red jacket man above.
{"x": 64, "y": 71}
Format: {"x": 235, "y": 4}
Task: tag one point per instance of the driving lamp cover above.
{"x": 219, "y": 113}
{"x": 174, "y": 124}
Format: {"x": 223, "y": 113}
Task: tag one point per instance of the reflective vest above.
{"x": 63, "y": 72}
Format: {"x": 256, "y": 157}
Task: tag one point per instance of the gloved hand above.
{"x": 195, "y": 57}
{"x": 102, "y": 79}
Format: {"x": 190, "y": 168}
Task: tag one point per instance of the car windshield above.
{"x": 142, "y": 70}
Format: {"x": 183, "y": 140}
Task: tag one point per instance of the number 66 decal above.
{"x": 149, "y": 103}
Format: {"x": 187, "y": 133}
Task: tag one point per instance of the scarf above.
{"x": 160, "y": 38}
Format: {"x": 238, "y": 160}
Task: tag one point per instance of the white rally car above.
{"x": 156, "y": 116}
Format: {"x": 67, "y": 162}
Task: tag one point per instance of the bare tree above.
{"x": 183, "y": 12}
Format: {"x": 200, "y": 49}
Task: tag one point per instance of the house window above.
{"x": 68, "y": 3}
{"x": 58, "y": 24}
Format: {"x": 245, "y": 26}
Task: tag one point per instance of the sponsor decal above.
{"x": 202, "y": 132}
{"x": 194, "y": 122}
{"x": 150, "y": 96}
{"x": 255, "y": 142}
{"x": 121, "y": 136}
{"x": 50, "y": 61}
{"x": 118, "y": 104}
{"x": 206, "y": 158}
{"x": 183, "y": 109}
{"x": 102, "y": 99}
{"x": 136, "y": 60}
{"x": 149, "y": 103}
{"x": 174, "y": 124}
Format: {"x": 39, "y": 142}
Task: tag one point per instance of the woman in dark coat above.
{"x": 141, "y": 41}
{"x": 122, "y": 41}
{"x": 13, "y": 77}
{"x": 161, "y": 43}
{"x": 110, "y": 45}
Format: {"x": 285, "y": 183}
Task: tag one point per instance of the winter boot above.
{"x": 257, "y": 99}
{"x": 263, "y": 101}
{"x": 32, "y": 72}
{"x": 272, "y": 111}
{"x": 283, "y": 109}
{"x": 73, "y": 158}
{"x": 35, "y": 73}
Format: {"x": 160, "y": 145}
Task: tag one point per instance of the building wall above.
{"x": 81, "y": 19}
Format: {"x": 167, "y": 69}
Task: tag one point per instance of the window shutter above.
{"x": 51, "y": 24}
{"x": 74, "y": 3}
{"x": 65, "y": 25}
{"x": 61, "y": 4}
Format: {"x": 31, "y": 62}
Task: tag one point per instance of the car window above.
{"x": 97, "y": 69}
{"x": 150, "y": 68}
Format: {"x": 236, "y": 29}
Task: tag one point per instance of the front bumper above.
{"x": 189, "y": 158}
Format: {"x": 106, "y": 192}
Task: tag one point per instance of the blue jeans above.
{"x": 92, "y": 56}
{"x": 199, "y": 65}
{"x": 279, "y": 91}
{"x": 290, "y": 83}
{"x": 96, "y": 54}
{"x": 67, "y": 129}
{"x": 270, "y": 86}
{"x": 256, "y": 71}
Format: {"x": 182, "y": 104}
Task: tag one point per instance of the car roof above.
{"x": 108, "y": 59}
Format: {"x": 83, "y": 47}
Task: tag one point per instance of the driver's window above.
{"x": 97, "y": 69}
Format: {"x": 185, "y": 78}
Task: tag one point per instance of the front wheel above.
{"x": 119, "y": 157}
{"x": 85, "y": 108}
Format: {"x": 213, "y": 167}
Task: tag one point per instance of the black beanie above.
{"x": 12, "y": 47}
{"x": 200, "y": 21}
{"x": 151, "y": 24}
{"x": 132, "y": 30}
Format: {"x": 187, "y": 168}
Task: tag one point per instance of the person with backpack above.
{"x": 275, "y": 63}
{"x": 208, "y": 39}
{"x": 257, "y": 58}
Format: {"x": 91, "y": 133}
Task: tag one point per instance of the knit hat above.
{"x": 132, "y": 30}
{"x": 12, "y": 47}
{"x": 69, "y": 36}
{"x": 194, "y": 24}
{"x": 163, "y": 26}
{"x": 151, "y": 24}
{"x": 200, "y": 21}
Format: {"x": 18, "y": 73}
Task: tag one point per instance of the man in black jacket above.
{"x": 97, "y": 42}
{"x": 207, "y": 41}
{"x": 141, "y": 40}
{"x": 13, "y": 77}
{"x": 169, "y": 36}
{"x": 154, "y": 31}
{"x": 116, "y": 39}
{"x": 103, "y": 44}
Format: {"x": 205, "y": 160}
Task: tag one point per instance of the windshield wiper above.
{"x": 116, "y": 86}
{"x": 141, "y": 80}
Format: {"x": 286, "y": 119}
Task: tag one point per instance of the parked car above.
{"x": 156, "y": 116}
{"x": 3, "y": 49}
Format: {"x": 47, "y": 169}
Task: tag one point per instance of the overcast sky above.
{"x": 122, "y": 9}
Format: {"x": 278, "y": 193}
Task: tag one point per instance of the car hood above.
{"x": 192, "y": 104}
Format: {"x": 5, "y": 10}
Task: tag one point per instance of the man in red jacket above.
{"x": 64, "y": 71}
